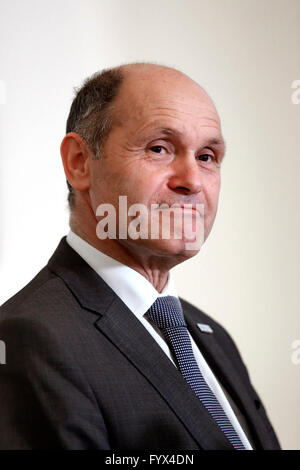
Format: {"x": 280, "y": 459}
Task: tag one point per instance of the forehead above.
{"x": 159, "y": 97}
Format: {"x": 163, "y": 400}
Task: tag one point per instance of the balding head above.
{"x": 149, "y": 71}
{"x": 143, "y": 82}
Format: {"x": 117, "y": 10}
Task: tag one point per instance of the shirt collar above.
{"x": 132, "y": 287}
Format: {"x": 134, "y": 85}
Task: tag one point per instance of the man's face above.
{"x": 165, "y": 147}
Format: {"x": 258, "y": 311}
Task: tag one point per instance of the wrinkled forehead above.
{"x": 149, "y": 93}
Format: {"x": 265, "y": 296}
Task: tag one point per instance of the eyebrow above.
{"x": 219, "y": 142}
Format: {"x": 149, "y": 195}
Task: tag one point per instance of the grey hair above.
{"x": 90, "y": 114}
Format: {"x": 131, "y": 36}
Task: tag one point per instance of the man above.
{"x": 101, "y": 353}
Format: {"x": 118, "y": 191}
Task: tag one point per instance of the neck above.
{"x": 155, "y": 268}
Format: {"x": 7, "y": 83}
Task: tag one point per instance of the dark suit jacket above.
{"x": 82, "y": 372}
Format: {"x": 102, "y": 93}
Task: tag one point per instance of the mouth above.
{"x": 185, "y": 207}
{"x": 189, "y": 207}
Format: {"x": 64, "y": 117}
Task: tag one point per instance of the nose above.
{"x": 186, "y": 176}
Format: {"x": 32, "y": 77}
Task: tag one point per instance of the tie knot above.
{"x": 166, "y": 312}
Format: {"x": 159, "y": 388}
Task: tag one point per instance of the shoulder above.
{"x": 37, "y": 318}
{"x": 43, "y": 300}
{"x": 38, "y": 291}
{"x": 44, "y": 328}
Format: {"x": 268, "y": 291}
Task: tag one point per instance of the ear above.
{"x": 75, "y": 155}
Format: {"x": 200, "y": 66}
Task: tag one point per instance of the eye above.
{"x": 157, "y": 148}
{"x": 205, "y": 157}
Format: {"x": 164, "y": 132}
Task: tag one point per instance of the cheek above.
{"x": 141, "y": 189}
{"x": 213, "y": 188}
{"x": 212, "y": 198}
{"x": 140, "y": 183}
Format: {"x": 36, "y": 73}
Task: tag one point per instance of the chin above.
{"x": 169, "y": 248}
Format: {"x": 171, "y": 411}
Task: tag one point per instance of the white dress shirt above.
{"x": 139, "y": 294}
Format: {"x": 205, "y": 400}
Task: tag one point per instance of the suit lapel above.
{"x": 229, "y": 377}
{"x": 123, "y": 329}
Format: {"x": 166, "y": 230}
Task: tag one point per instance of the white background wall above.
{"x": 246, "y": 53}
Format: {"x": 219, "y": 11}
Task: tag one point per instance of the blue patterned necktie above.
{"x": 166, "y": 313}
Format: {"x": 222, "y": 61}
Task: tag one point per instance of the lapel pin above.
{"x": 204, "y": 328}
